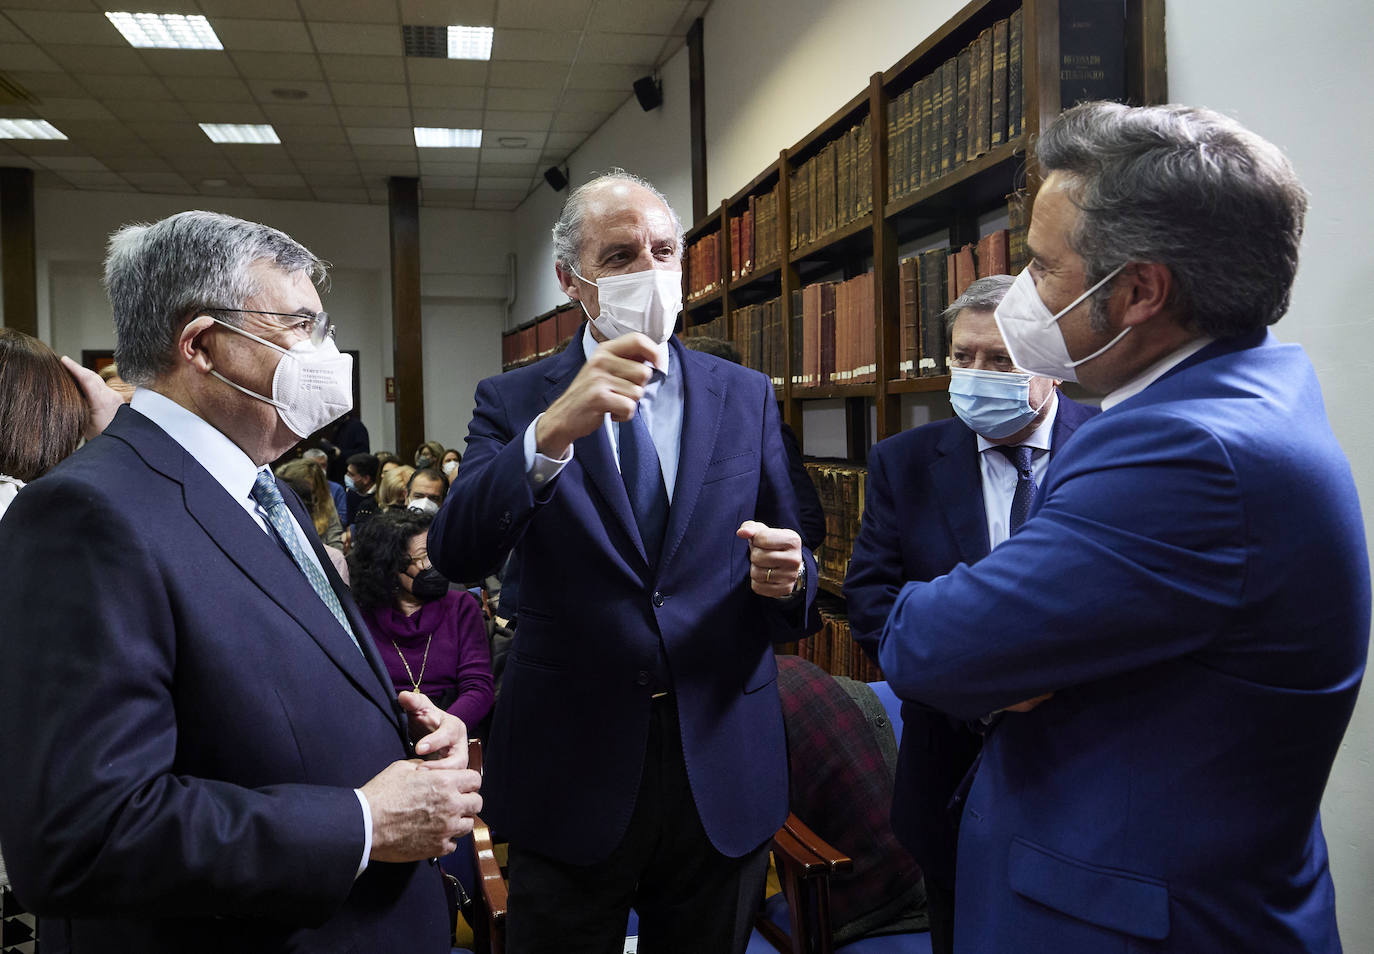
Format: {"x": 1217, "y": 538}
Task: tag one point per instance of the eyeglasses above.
{"x": 318, "y": 325}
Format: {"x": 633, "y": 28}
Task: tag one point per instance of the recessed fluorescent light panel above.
{"x": 29, "y": 129}
{"x": 236, "y": 132}
{"x": 469, "y": 43}
{"x": 428, "y": 137}
{"x": 166, "y": 31}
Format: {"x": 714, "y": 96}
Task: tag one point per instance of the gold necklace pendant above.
{"x": 423, "y": 662}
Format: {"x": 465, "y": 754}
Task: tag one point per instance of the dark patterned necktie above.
{"x": 1020, "y": 458}
{"x": 643, "y": 476}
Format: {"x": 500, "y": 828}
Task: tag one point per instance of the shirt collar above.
{"x": 590, "y": 344}
{"x": 1154, "y": 372}
{"x": 224, "y": 459}
{"x": 1040, "y": 438}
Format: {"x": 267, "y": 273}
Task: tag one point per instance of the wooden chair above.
{"x": 489, "y": 902}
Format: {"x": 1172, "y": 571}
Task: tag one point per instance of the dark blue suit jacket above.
{"x": 568, "y": 737}
{"x": 1194, "y": 588}
{"x": 924, "y": 515}
{"x": 184, "y": 722}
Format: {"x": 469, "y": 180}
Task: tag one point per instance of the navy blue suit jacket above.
{"x": 184, "y": 721}
{"x": 924, "y": 515}
{"x": 568, "y": 737}
{"x": 1193, "y": 585}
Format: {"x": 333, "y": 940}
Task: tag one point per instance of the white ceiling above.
{"x": 558, "y": 69}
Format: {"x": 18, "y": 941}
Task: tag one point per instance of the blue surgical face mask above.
{"x": 350, "y": 483}
{"x": 995, "y": 404}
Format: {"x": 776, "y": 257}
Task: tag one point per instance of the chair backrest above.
{"x": 892, "y": 704}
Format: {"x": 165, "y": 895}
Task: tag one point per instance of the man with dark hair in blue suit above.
{"x": 940, "y": 495}
{"x": 200, "y": 745}
{"x": 644, "y": 490}
{"x": 1181, "y": 626}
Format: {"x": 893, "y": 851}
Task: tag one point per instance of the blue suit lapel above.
{"x": 593, "y": 452}
{"x": 952, "y": 474}
{"x": 256, "y": 554}
{"x": 703, "y": 401}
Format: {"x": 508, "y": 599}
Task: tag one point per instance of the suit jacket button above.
{"x": 642, "y": 678}
{"x": 658, "y": 598}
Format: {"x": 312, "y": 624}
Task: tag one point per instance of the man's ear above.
{"x": 1149, "y": 287}
{"x": 190, "y": 347}
{"x": 567, "y": 281}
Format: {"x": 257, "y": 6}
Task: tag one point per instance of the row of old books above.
{"x": 833, "y": 648}
{"x": 544, "y": 336}
{"x": 758, "y": 338}
{"x": 833, "y": 187}
{"x": 961, "y": 110}
{"x": 841, "y": 489}
{"x": 836, "y": 344}
{"x": 701, "y": 266}
{"x": 754, "y": 236}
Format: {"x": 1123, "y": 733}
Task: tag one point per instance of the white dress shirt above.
{"x": 1154, "y": 372}
{"x": 999, "y": 474}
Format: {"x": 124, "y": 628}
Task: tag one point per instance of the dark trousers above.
{"x": 690, "y": 898}
{"x": 940, "y": 904}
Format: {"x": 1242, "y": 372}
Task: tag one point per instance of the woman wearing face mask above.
{"x": 428, "y": 455}
{"x": 433, "y": 640}
{"x": 450, "y": 463}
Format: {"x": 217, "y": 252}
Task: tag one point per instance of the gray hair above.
{"x": 315, "y": 454}
{"x": 1187, "y": 188}
{"x": 567, "y": 231}
{"x": 157, "y": 275}
{"x": 984, "y": 294}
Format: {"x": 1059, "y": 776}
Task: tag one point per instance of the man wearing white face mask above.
{"x": 1182, "y": 624}
{"x": 229, "y": 749}
{"x": 940, "y": 495}
{"x": 643, "y": 489}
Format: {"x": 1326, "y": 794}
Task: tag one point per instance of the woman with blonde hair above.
{"x": 323, "y": 513}
{"x": 391, "y": 489}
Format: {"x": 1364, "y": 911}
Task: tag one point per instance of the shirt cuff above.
{"x": 539, "y": 469}
{"x": 367, "y": 832}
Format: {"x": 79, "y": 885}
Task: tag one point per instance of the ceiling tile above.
{"x": 297, "y": 194}
{"x": 149, "y": 109}
{"x": 502, "y": 98}
{"x": 102, "y": 134}
{"x": 220, "y": 89}
{"x": 446, "y": 72}
{"x": 227, "y": 113}
{"x": 26, "y": 56}
{"x": 268, "y": 66}
{"x": 275, "y": 180}
{"x": 428, "y": 156}
{"x": 128, "y": 165}
{"x": 449, "y": 118}
{"x": 57, "y": 108}
{"x": 374, "y": 116}
{"x": 377, "y": 171}
{"x": 364, "y": 69}
{"x": 116, "y": 87}
{"x": 447, "y": 182}
{"x": 366, "y": 38}
{"x": 316, "y": 94}
{"x": 203, "y": 168}
{"x": 567, "y": 15}
{"x": 446, "y": 97}
{"x": 512, "y": 138}
{"x": 589, "y": 75}
{"x": 468, "y": 169}
{"x": 564, "y": 141}
{"x": 254, "y": 158}
{"x": 358, "y": 196}
{"x": 370, "y": 94}
{"x": 527, "y": 75}
{"x": 159, "y": 182}
{"x": 268, "y": 36}
{"x": 48, "y": 84}
{"x": 350, "y": 11}
{"x": 380, "y": 136}
{"x": 368, "y": 154}
{"x": 490, "y": 205}
{"x": 353, "y": 181}
{"x": 324, "y": 137}
{"x": 260, "y": 9}
{"x": 524, "y": 170}
{"x": 325, "y": 167}
{"x": 448, "y": 198}
{"x": 498, "y": 154}
{"x": 95, "y": 180}
{"x": 517, "y": 121}
{"x": 567, "y": 121}
{"x": 635, "y": 16}
{"x": 486, "y": 182}
{"x": 168, "y": 131}
{"x": 18, "y": 111}
{"x": 301, "y": 115}
{"x": 47, "y": 147}
{"x": 9, "y": 33}
{"x": 73, "y": 164}
{"x": 48, "y": 26}
{"x": 632, "y": 48}
{"x": 594, "y": 100}
{"x": 82, "y": 6}
{"x": 449, "y": 12}
{"x": 503, "y": 195}
{"x": 545, "y": 46}
{"x": 197, "y": 63}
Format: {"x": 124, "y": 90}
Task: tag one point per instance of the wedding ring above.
{"x": 769, "y": 577}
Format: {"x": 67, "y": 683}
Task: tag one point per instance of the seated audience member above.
{"x": 347, "y": 438}
{"x": 391, "y": 488}
{"x": 449, "y": 465}
{"x": 336, "y": 490}
{"x": 385, "y": 457}
{"x": 843, "y": 759}
{"x": 42, "y": 414}
{"x": 809, "y": 509}
{"x": 361, "y": 481}
{"x": 426, "y": 490}
{"x": 429, "y": 454}
{"x": 110, "y": 375}
{"x": 318, "y": 501}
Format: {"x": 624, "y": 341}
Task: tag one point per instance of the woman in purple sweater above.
{"x": 432, "y": 639}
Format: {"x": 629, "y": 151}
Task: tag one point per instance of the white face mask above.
{"x": 1032, "y": 335}
{"x": 311, "y": 387}
{"x": 647, "y": 302}
{"x": 423, "y": 505}
{"x": 450, "y": 468}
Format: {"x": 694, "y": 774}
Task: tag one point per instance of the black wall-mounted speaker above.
{"x": 555, "y": 178}
{"x": 649, "y": 92}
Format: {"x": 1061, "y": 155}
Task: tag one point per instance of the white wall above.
{"x": 1291, "y": 75}
{"x": 463, "y": 285}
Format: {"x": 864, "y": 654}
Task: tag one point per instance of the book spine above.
{"x": 999, "y": 82}
{"x": 961, "y": 96}
{"x": 948, "y": 111}
{"x": 1015, "y": 80}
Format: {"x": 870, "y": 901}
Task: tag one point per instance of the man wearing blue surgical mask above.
{"x": 940, "y": 495}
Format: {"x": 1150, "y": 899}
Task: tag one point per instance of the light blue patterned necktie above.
{"x": 265, "y": 492}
